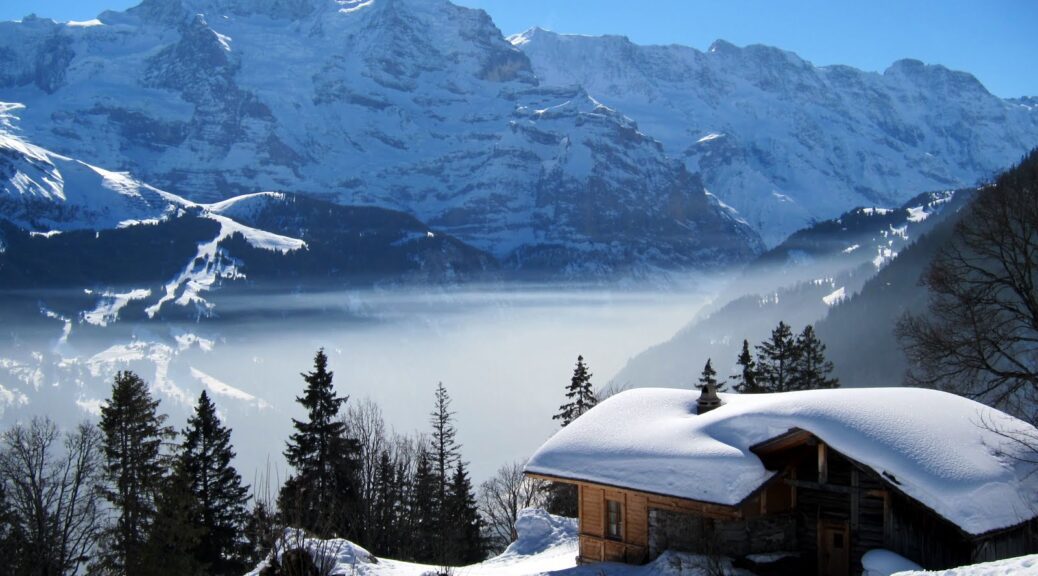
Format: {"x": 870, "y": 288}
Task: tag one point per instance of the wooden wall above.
{"x": 1018, "y": 541}
{"x": 594, "y": 545}
{"x": 633, "y": 547}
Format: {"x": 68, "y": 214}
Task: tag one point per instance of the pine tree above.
{"x": 561, "y": 499}
{"x": 580, "y": 395}
{"x": 747, "y": 383}
{"x": 401, "y": 539}
{"x": 813, "y": 371}
{"x": 135, "y": 465}
{"x": 423, "y": 512}
{"x": 386, "y": 508}
{"x": 445, "y": 453}
{"x": 322, "y": 496}
{"x": 709, "y": 377}
{"x": 206, "y": 456}
{"x": 777, "y": 360}
{"x": 175, "y": 536}
{"x": 463, "y": 524}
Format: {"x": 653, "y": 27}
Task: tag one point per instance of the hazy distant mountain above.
{"x": 414, "y": 105}
{"x": 786, "y": 142}
{"x": 799, "y": 282}
{"x": 860, "y": 331}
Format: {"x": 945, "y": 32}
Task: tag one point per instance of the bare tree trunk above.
{"x": 502, "y": 497}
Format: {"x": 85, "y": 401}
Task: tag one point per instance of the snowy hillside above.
{"x": 107, "y": 238}
{"x": 799, "y": 282}
{"x": 786, "y": 142}
{"x": 414, "y": 105}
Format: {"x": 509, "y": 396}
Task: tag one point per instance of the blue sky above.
{"x": 993, "y": 39}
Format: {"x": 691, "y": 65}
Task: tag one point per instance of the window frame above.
{"x": 617, "y": 507}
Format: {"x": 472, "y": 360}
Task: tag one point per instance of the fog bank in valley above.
{"x": 504, "y": 354}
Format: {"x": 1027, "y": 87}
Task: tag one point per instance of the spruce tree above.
{"x": 403, "y": 534}
{"x": 813, "y": 371}
{"x": 776, "y": 361}
{"x": 561, "y": 499}
{"x": 175, "y": 536}
{"x": 322, "y": 495}
{"x": 747, "y": 383}
{"x": 580, "y": 395}
{"x": 386, "y": 508}
{"x": 709, "y": 377}
{"x": 463, "y": 524}
{"x": 206, "y": 455}
{"x": 423, "y": 510}
{"x": 445, "y": 453}
{"x": 135, "y": 466}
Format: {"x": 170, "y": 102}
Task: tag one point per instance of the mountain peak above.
{"x": 720, "y": 46}
{"x": 935, "y": 75}
{"x": 527, "y": 35}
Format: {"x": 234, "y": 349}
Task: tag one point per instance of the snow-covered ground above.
{"x": 548, "y": 545}
{"x": 1022, "y": 566}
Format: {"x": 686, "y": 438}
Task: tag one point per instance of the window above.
{"x": 615, "y": 516}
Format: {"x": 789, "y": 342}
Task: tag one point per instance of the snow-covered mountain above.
{"x": 786, "y": 142}
{"x": 415, "y": 105}
{"x": 104, "y": 240}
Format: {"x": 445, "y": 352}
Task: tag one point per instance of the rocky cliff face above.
{"x": 786, "y": 142}
{"x": 415, "y": 105}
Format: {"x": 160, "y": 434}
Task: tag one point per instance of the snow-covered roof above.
{"x": 943, "y": 449}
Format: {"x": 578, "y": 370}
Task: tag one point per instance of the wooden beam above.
{"x": 854, "y": 498}
{"x": 559, "y": 479}
{"x": 823, "y": 463}
{"x": 655, "y": 499}
{"x": 816, "y": 486}
{"x": 790, "y": 439}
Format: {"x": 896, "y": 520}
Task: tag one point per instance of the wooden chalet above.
{"x": 817, "y": 511}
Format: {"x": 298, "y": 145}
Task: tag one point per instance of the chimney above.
{"x": 708, "y": 399}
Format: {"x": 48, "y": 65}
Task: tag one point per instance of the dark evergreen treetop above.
{"x": 176, "y": 534}
{"x": 309, "y": 446}
{"x": 813, "y": 371}
{"x": 423, "y": 510}
{"x": 445, "y": 449}
{"x": 747, "y": 383}
{"x": 462, "y": 522}
{"x": 206, "y": 455}
{"x": 776, "y": 361}
{"x": 445, "y": 453}
{"x": 134, "y": 434}
{"x": 709, "y": 377}
{"x": 323, "y": 495}
{"x": 580, "y": 395}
